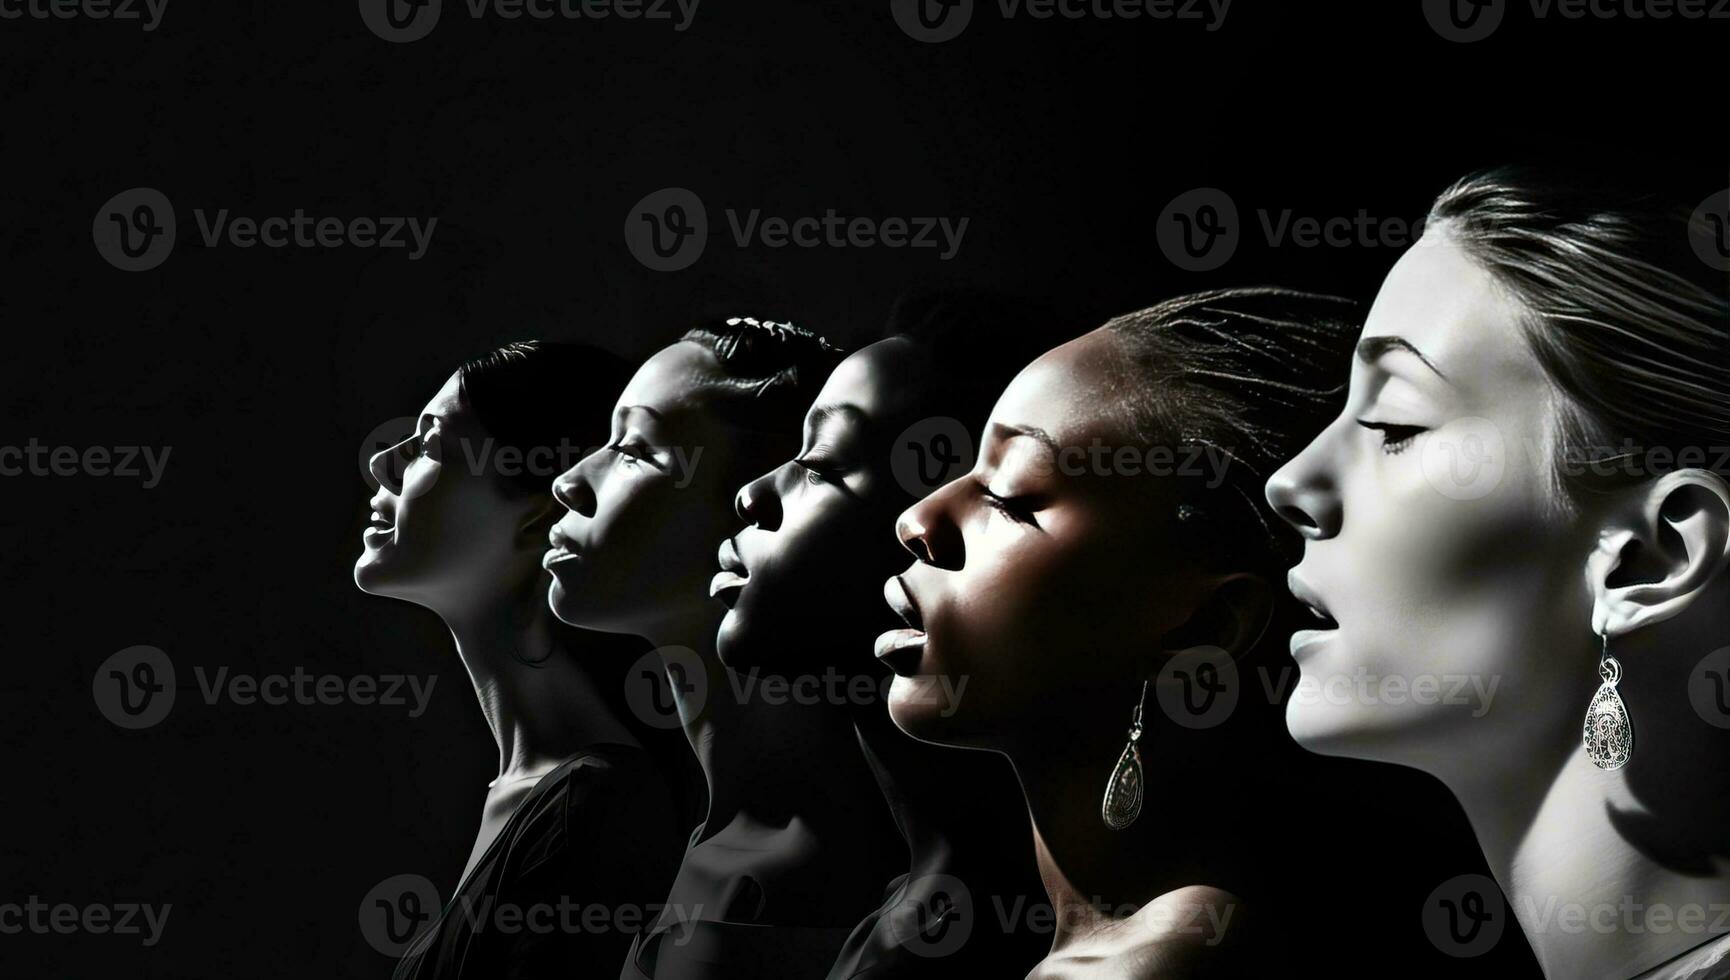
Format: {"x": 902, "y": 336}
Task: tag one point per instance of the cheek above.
{"x": 1455, "y": 611}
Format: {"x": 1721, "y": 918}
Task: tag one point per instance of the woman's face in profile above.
{"x": 1038, "y": 573}
{"x": 636, "y": 546}
{"x": 1437, "y": 537}
{"x": 442, "y": 532}
{"x": 803, "y": 582}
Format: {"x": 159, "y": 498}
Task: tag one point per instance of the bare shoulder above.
{"x": 1186, "y": 932}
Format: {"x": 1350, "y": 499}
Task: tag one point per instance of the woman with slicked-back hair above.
{"x": 1530, "y": 488}
{"x": 1097, "y": 579}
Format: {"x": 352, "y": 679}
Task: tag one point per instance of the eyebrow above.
{"x": 843, "y": 412}
{"x": 1371, "y": 349}
{"x": 625, "y": 410}
{"x": 1031, "y": 431}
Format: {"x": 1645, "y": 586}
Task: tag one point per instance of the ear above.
{"x": 1660, "y": 552}
{"x": 1232, "y": 614}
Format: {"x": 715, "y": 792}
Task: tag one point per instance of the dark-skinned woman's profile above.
{"x": 786, "y": 860}
{"x": 588, "y": 803}
{"x": 804, "y": 582}
{"x": 1109, "y": 547}
{"x": 1528, "y": 488}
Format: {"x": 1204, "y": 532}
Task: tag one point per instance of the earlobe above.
{"x": 1661, "y": 553}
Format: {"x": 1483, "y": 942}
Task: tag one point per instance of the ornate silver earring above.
{"x": 1122, "y": 803}
{"x": 1609, "y": 732}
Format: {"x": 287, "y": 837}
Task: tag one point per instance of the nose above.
{"x": 758, "y": 503}
{"x": 929, "y": 530}
{"x": 387, "y": 465}
{"x": 574, "y": 491}
{"x": 1305, "y": 493}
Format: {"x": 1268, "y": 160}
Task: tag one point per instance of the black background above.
{"x": 264, "y": 369}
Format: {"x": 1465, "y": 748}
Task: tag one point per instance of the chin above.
{"x": 733, "y": 645}
{"x": 924, "y": 708}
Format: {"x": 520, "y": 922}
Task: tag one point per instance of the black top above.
{"x": 581, "y": 865}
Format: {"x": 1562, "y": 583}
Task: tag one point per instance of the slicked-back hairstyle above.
{"x": 977, "y": 341}
{"x": 1626, "y": 320}
{"x": 534, "y": 394}
{"x": 1254, "y": 374}
{"x": 776, "y": 367}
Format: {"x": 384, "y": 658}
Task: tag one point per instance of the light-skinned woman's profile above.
{"x": 588, "y": 804}
{"x": 1529, "y": 489}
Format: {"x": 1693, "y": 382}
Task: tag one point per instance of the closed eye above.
{"x": 632, "y": 455}
{"x": 1395, "y": 438}
{"x": 1014, "y": 508}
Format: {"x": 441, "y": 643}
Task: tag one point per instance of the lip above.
{"x": 377, "y": 534}
{"x": 561, "y": 550}
{"x": 1304, "y": 642}
{"x": 901, "y": 649}
{"x": 1307, "y": 595}
{"x": 731, "y": 579}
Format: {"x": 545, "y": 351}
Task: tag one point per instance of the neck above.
{"x": 538, "y": 698}
{"x": 957, "y": 810}
{"x": 764, "y": 755}
{"x": 1094, "y": 875}
{"x": 1611, "y": 873}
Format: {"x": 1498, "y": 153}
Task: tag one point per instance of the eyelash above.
{"x": 1395, "y": 438}
{"x": 813, "y": 475}
{"x": 633, "y": 456}
{"x": 1007, "y": 506}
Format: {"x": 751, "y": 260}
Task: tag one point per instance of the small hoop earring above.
{"x": 1609, "y": 732}
{"x": 1123, "y": 793}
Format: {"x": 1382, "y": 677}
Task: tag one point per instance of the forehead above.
{"x": 448, "y": 404}
{"x": 679, "y": 377}
{"x": 1064, "y": 392}
{"x": 883, "y": 380}
{"x": 1453, "y": 309}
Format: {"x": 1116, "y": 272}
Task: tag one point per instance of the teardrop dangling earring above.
{"x": 1122, "y": 803}
{"x": 1609, "y": 732}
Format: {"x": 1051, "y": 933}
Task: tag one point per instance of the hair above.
{"x": 1630, "y": 325}
{"x": 977, "y": 341}
{"x": 532, "y": 394}
{"x": 1254, "y": 374}
{"x": 776, "y": 366}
